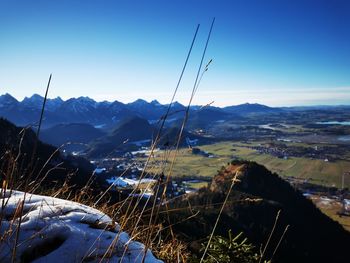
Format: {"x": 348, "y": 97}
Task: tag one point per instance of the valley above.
{"x": 302, "y": 144}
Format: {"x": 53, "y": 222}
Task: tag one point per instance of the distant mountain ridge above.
{"x": 87, "y": 110}
{"x": 107, "y": 115}
{"x": 248, "y": 108}
{"x": 98, "y": 128}
{"x": 78, "y": 110}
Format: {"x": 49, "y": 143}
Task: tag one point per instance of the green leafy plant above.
{"x": 232, "y": 249}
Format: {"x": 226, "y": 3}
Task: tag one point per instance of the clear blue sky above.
{"x": 272, "y": 52}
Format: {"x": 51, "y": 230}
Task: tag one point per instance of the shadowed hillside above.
{"x": 76, "y": 133}
{"x": 131, "y": 129}
{"x": 48, "y": 165}
{"x": 252, "y": 207}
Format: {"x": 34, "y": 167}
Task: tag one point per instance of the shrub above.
{"x": 235, "y": 249}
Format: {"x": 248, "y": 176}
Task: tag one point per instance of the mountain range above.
{"x": 82, "y": 124}
{"x": 98, "y": 128}
{"x": 106, "y": 114}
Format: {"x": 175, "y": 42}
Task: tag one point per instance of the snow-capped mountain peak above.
{"x": 7, "y": 100}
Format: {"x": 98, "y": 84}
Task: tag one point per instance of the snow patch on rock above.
{"x": 56, "y": 230}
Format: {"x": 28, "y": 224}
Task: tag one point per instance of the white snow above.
{"x": 100, "y": 126}
{"x": 140, "y": 142}
{"x": 147, "y": 152}
{"x": 55, "y": 230}
{"x": 99, "y": 170}
{"x": 125, "y": 182}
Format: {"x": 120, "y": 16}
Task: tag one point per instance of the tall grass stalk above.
{"x": 234, "y": 180}
{"x": 270, "y": 236}
{"x": 163, "y": 194}
{"x": 279, "y": 242}
{"x": 31, "y": 170}
{"x": 153, "y": 147}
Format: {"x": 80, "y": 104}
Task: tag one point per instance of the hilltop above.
{"x": 252, "y": 207}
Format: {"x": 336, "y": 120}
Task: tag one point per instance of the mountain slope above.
{"x": 252, "y": 207}
{"x": 206, "y": 117}
{"x": 129, "y": 130}
{"x": 169, "y": 138}
{"x": 75, "y": 133}
{"x": 16, "y": 149}
{"x": 7, "y": 100}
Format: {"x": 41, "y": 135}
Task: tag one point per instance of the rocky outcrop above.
{"x": 56, "y": 230}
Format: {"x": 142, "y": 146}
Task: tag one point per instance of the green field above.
{"x": 316, "y": 171}
{"x": 331, "y": 209}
